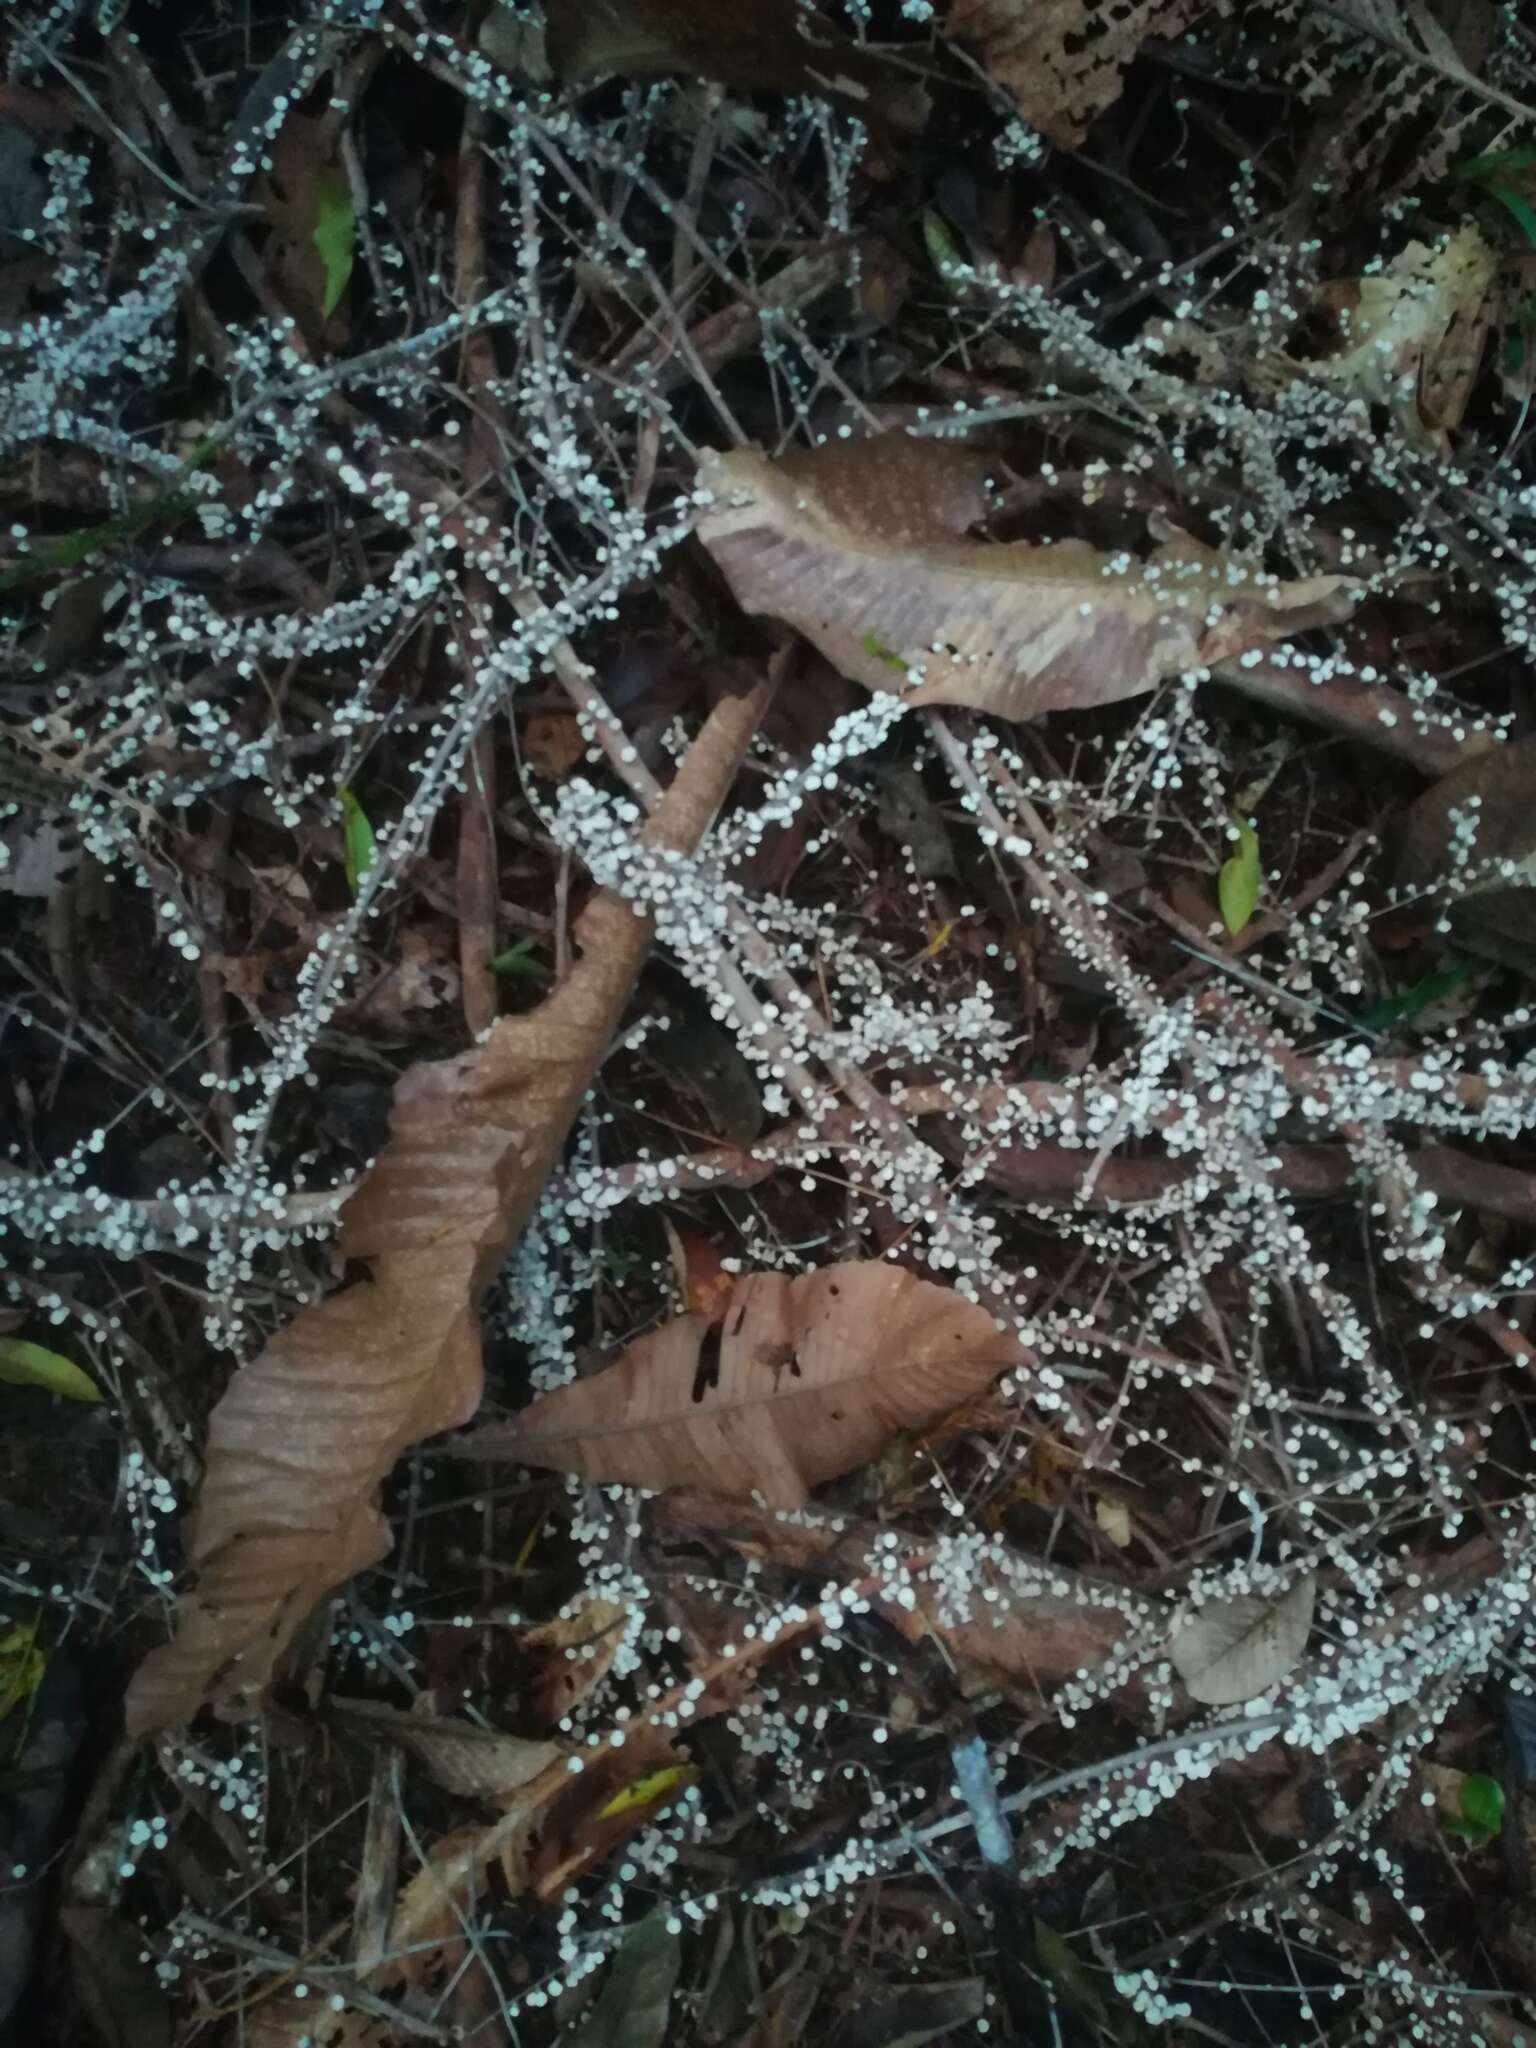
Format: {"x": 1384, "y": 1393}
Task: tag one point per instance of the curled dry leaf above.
{"x": 478, "y": 1763}
{"x": 808, "y": 1378}
{"x": 301, "y": 1442}
{"x": 1233, "y": 1650}
{"x": 1414, "y": 335}
{"x": 863, "y": 547}
{"x": 1064, "y": 61}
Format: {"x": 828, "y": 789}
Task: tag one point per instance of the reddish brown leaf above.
{"x": 811, "y": 1377}
{"x": 702, "y": 1281}
{"x": 862, "y": 546}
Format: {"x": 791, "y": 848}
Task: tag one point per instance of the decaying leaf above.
{"x": 479, "y": 1763}
{"x": 809, "y": 1377}
{"x": 769, "y": 46}
{"x": 863, "y": 547}
{"x": 1414, "y": 336}
{"x": 302, "y": 1440}
{"x": 1237, "y": 885}
{"x": 1494, "y": 913}
{"x": 1232, "y": 1650}
{"x": 307, "y": 201}
{"x": 117, "y": 1990}
{"x": 704, "y": 1287}
{"x": 1064, "y": 61}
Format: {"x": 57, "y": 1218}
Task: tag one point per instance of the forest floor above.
{"x": 768, "y": 1098}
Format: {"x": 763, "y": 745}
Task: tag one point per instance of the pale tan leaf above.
{"x": 862, "y": 546}
{"x": 478, "y": 1763}
{"x": 1414, "y": 335}
{"x": 813, "y": 1376}
{"x": 1232, "y": 1650}
{"x": 305, "y": 1435}
{"x": 1064, "y": 61}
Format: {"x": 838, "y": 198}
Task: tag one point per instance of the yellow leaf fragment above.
{"x": 647, "y": 1790}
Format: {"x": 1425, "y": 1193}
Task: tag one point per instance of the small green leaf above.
{"x": 1073, "y": 1978}
{"x": 944, "y": 252}
{"x": 22, "y": 1664}
{"x": 1515, "y": 203}
{"x": 1392, "y": 1009}
{"x": 518, "y": 962}
{"x": 874, "y": 645}
{"x": 359, "y": 838}
{"x": 335, "y": 236}
{"x": 1237, "y": 886}
{"x": 30, "y": 1365}
{"x": 1482, "y": 1803}
{"x": 1497, "y": 160}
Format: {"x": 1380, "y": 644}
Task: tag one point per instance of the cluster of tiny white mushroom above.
{"x": 1332, "y": 1480}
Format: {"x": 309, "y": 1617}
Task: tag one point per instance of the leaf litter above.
{"x": 1096, "y": 1342}
{"x": 798, "y": 1381}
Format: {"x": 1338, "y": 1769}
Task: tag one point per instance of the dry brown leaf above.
{"x": 1064, "y": 61}
{"x": 552, "y": 744}
{"x": 810, "y": 1377}
{"x": 1414, "y": 336}
{"x": 577, "y": 1651}
{"x": 305, "y": 1435}
{"x": 860, "y": 546}
{"x": 429, "y": 1915}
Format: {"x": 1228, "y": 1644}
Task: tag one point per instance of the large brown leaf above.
{"x": 1064, "y": 61}
{"x": 301, "y": 1442}
{"x": 862, "y": 546}
{"x": 766, "y": 46}
{"x": 812, "y": 1376}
